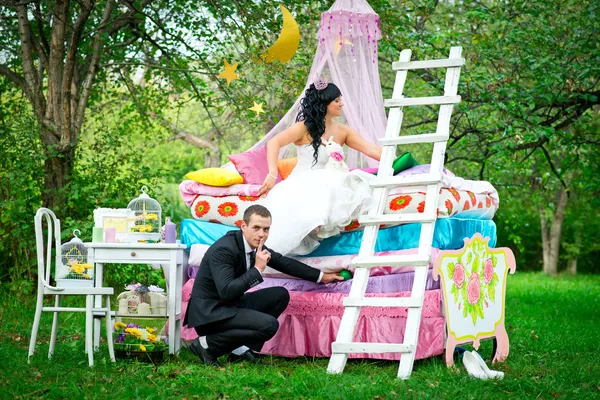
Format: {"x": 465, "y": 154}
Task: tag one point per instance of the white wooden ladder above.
{"x": 385, "y": 179}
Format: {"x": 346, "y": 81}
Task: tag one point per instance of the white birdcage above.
{"x": 74, "y": 270}
{"x": 146, "y": 224}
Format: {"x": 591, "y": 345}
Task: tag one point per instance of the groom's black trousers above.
{"x": 254, "y": 323}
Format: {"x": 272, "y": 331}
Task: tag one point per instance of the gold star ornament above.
{"x": 257, "y": 108}
{"x": 229, "y": 72}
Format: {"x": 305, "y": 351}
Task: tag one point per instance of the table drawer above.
{"x": 131, "y": 255}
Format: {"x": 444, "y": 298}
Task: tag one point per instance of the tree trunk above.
{"x": 572, "y": 269}
{"x": 58, "y": 168}
{"x": 572, "y": 266}
{"x": 551, "y": 234}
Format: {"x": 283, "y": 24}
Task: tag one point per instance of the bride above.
{"x": 313, "y": 202}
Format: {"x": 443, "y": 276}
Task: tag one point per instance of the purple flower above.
{"x": 120, "y": 338}
{"x": 133, "y": 326}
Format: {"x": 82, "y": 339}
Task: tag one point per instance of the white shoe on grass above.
{"x": 473, "y": 367}
{"x": 490, "y": 373}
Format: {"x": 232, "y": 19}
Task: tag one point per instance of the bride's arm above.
{"x": 355, "y": 141}
{"x": 283, "y": 138}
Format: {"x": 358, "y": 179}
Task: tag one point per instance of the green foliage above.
{"x": 543, "y": 316}
{"x": 526, "y": 123}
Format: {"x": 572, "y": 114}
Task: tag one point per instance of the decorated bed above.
{"x": 464, "y": 297}
{"x": 310, "y": 323}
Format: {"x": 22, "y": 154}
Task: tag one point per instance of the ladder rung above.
{"x": 424, "y": 138}
{"x": 443, "y": 63}
{"x": 410, "y": 260}
{"x": 395, "y": 219}
{"x": 358, "y": 347}
{"x": 412, "y": 180}
{"x": 407, "y": 302}
{"x": 422, "y": 101}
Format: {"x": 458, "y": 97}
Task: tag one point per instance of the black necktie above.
{"x": 252, "y": 258}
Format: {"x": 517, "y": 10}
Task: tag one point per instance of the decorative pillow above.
{"x": 405, "y": 161}
{"x": 252, "y": 165}
{"x": 215, "y": 177}
{"x": 286, "y": 166}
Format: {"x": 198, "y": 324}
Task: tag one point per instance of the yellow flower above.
{"x": 86, "y": 276}
{"x": 87, "y": 266}
{"x": 134, "y": 331}
{"x": 142, "y": 348}
{"x": 78, "y": 268}
{"x": 119, "y": 325}
{"x": 150, "y": 330}
{"x": 151, "y": 216}
{"x": 151, "y": 337}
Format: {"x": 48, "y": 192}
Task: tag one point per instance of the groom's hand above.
{"x": 262, "y": 257}
{"x": 332, "y": 277}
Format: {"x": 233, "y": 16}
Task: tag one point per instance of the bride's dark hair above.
{"x": 313, "y": 108}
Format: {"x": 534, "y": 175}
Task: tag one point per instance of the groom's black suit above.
{"x": 219, "y": 307}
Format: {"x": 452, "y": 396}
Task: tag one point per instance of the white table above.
{"x": 170, "y": 256}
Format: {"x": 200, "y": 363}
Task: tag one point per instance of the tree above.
{"x": 529, "y": 88}
{"x": 60, "y": 53}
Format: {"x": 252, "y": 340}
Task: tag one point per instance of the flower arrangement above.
{"x": 131, "y": 338}
{"x": 145, "y": 223}
{"x": 78, "y": 270}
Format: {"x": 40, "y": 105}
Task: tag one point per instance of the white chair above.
{"x": 44, "y": 288}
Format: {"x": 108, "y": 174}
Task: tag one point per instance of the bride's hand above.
{"x": 267, "y": 185}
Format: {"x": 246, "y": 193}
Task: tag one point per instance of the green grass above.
{"x": 553, "y": 325}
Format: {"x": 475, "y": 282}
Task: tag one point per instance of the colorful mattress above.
{"x": 228, "y": 210}
{"x": 449, "y": 234}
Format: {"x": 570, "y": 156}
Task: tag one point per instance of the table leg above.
{"x": 178, "y": 295}
{"x": 98, "y": 282}
{"x": 172, "y": 287}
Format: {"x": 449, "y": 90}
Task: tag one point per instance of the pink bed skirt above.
{"x": 310, "y": 323}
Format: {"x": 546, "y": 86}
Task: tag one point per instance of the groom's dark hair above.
{"x": 257, "y": 209}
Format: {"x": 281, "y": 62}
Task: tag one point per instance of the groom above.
{"x": 226, "y": 318}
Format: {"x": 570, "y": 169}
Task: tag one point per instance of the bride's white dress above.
{"x": 314, "y": 203}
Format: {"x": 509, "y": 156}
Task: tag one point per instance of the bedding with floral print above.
{"x": 474, "y": 280}
{"x": 400, "y": 202}
{"x": 228, "y": 209}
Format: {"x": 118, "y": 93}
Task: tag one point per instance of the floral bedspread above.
{"x": 229, "y": 210}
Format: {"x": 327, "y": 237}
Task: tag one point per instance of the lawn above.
{"x": 553, "y": 325}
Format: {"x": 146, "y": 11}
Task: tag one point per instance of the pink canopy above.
{"x": 347, "y": 56}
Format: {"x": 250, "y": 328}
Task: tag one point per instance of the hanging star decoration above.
{"x": 229, "y": 72}
{"x": 257, "y": 108}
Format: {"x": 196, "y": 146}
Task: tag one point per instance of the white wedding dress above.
{"x": 314, "y": 203}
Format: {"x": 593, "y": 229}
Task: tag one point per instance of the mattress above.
{"x": 229, "y": 210}
{"x": 310, "y": 323}
{"x": 449, "y": 234}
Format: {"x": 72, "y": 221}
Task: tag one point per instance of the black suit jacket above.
{"x": 223, "y": 278}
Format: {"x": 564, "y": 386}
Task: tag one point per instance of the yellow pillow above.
{"x": 215, "y": 177}
{"x": 286, "y": 165}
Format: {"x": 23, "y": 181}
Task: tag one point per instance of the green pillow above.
{"x": 405, "y": 161}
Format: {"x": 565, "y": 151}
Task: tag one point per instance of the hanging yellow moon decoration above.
{"x": 289, "y": 39}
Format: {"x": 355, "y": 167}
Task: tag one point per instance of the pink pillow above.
{"x": 252, "y": 165}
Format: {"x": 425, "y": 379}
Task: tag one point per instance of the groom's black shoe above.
{"x": 248, "y": 355}
{"x": 203, "y": 354}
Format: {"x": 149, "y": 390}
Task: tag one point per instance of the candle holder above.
{"x": 142, "y": 301}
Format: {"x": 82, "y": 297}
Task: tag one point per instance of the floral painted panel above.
{"x": 474, "y": 286}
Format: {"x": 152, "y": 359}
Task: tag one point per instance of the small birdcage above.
{"x": 146, "y": 226}
{"x": 74, "y": 270}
